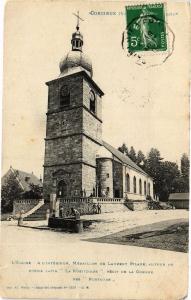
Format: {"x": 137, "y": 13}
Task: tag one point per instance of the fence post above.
{"x": 20, "y": 219}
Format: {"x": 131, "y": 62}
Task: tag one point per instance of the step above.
{"x": 39, "y": 214}
{"x": 35, "y": 208}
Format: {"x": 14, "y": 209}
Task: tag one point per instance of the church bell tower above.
{"x": 74, "y": 126}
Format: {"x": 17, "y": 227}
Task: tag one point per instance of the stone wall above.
{"x": 69, "y": 154}
{"x": 24, "y": 205}
{"x": 137, "y": 205}
{"x": 117, "y": 179}
{"x": 65, "y": 122}
{"x": 135, "y": 197}
{"x": 92, "y": 126}
{"x": 140, "y": 178}
{"x": 113, "y": 207}
{"x": 150, "y": 181}
{"x": 105, "y": 176}
{"x": 84, "y": 208}
{"x": 86, "y": 101}
{"x": 63, "y": 145}
{"x": 71, "y": 174}
{"x": 88, "y": 179}
{"x": 89, "y": 151}
{"x": 63, "y": 150}
{"x": 75, "y": 85}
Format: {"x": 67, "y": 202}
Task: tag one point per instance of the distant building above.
{"x": 179, "y": 200}
{"x": 24, "y": 179}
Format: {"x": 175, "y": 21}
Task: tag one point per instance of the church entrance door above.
{"x": 117, "y": 193}
{"x": 61, "y": 189}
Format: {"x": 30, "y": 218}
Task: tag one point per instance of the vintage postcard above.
{"x": 95, "y": 162}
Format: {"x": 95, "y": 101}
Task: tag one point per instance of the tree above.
{"x": 185, "y": 166}
{"x": 123, "y": 149}
{"x": 153, "y": 164}
{"x": 132, "y": 154}
{"x": 166, "y": 175}
{"x": 35, "y": 192}
{"x": 180, "y": 185}
{"x": 170, "y": 175}
{"x": 153, "y": 168}
{"x": 140, "y": 158}
{"x": 10, "y": 191}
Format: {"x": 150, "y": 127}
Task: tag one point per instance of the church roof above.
{"x": 179, "y": 196}
{"x": 25, "y": 179}
{"x": 83, "y": 73}
{"x": 75, "y": 59}
{"x": 123, "y": 158}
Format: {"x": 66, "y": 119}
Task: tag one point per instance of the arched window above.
{"x": 127, "y": 183}
{"x": 149, "y": 189}
{"x": 61, "y": 189}
{"x": 92, "y": 102}
{"x": 140, "y": 186}
{"x": 145, "y": 188}
{"x": 134, "y": 185}
{"x": 64, "y": 96}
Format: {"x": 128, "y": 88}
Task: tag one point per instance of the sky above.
{"x": 142, "y": 107}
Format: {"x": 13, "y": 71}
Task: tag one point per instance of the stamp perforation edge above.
{"x": 152, "y": 52}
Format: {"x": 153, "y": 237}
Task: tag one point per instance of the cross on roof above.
{"x": 78, "y": 18}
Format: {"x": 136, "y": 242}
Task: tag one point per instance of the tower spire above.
{"x": 78, "y": 20}
{"x": 77, "y": 38}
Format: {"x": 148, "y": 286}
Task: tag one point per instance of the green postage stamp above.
{"x": 146, "y": 28}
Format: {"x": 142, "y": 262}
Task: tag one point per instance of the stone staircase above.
{"x": 38, "y": 214}
{"x": 29, "y": 212}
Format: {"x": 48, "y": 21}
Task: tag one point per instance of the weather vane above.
{"x": 78, "y": 18}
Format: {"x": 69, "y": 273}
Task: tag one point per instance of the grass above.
{"x": 169, "y": 235}
{"x": 4, "y": 216}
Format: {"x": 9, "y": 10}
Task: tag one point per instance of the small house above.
{"x": 179, "y": 200}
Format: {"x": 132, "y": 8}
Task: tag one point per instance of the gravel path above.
{"x": 20, "y": 246}
{"x": 108, "y": 223}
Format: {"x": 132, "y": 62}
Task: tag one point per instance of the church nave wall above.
{"x": 138, "y": 184}
{"x": 117, "y": 179}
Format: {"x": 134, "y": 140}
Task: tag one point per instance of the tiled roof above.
{"x": 179, "y": 196}
{"x": 123, "y": 158}
{"x": 24, "y": 178}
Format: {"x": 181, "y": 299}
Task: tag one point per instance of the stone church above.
{"x": 78, "y": 163}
